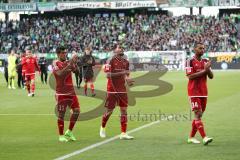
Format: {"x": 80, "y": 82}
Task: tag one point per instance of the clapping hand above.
{"x": 129, "y": 81}
{"x": 207, "y": 66}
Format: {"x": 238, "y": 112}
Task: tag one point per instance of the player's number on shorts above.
{"x": 194, "y": 104}
{"x": 61, "y": 107}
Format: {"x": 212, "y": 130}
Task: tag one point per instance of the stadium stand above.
{"x": 145, "y": 32}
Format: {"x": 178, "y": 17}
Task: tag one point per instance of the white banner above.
{"x": 225, "y": 2}
{"x": 216, "y": 54}
{"x": 5, "y": 7}
{"x": 188, "y": 3}
{"x": 173, "y": 60}
{"x": 107, "y": 5}
{"x": 3, "y": 56}
{"x": 46, "y": 6}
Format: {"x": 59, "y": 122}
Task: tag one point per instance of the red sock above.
{"x": 200, "y": 128}
{"x": 28, "y": 87}
{"x": 60, "y": 126}
{"x": 124, "y": 123}
{"x": 32, "y": 88}
{"x": 92, "y": 87}
{"x": 105, "y": 118}
{"x": 194, "y": 129}
{"x": 73, "y": 120}
{"x": 85, "y": 88}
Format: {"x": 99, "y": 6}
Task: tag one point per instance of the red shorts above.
{"x": 88, "y": 80}
{"x": 113, "y": 99}
{"x": 198, "y": 103}
{"x": 64, "y": 101}
{"x": 29, "y": 77}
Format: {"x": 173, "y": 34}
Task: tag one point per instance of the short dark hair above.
{"x": 197, "y": 43}
{"x": 60, "y": 49}
{"x": 88, "y": 48}
{"x": 28, "y": 48}
{"x": 115, "y": 45}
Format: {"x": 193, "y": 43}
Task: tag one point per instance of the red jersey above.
{"x": 30, "y": 65}
{"x": 64, "y": 84}
{"x": 23, "y": 64}
{"x": 196, "y": 87}
{"x": 116, "y": 84}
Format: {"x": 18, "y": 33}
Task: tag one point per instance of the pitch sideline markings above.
{"x": 107, "y": 140}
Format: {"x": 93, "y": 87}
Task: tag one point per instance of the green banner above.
{"x": 51, "y": 56}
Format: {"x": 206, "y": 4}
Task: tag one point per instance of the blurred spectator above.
{"x": 137, "y": 32}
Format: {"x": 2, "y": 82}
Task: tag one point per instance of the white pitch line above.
{"x": 107, "y": 141}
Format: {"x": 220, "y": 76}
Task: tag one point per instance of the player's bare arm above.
{"x": 73, "y": 63}
{"x": 64, "y": 71}
{"x": 197, "y": 75}
{"x": 69, "y": 68}
{"x": 210, "y": 74}
{"x": 129, "y": 81}
{"x": 202, "y": 73}
{"x": 109, "y": 75}
{"x": 209, "y": 71}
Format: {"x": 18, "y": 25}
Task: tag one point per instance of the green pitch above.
{"x": 28, "y": 127}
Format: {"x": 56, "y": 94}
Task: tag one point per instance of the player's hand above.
{"x": 129, "y": 81}
{"x": 127, "y": 72}
{"x": 207, "y": 66}
{"x": 74, "y": 58}
{"x": 69, "y": 67}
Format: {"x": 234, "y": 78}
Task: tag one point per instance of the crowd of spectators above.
{"x": 140, "y": 32}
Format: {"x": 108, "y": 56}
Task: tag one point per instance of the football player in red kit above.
{"x": 23, "y": 57}
{"x": 29, "y": 64}
{"x": 117, "y": 69}
{"x": 197, "y": 70}
{"x": 65, "y": 94}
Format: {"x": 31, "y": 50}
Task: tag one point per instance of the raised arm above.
{"x": 127, "y": 77}
{"x": 209, "y": 71}
{"x": 210, "y": 74}
{"x": 61, "y": 71}
{"x": 197, "y": 75}
{"x": 191, "y": 74}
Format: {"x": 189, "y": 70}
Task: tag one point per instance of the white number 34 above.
{"x": 194, "y": 104}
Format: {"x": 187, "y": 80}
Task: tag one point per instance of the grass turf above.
{"x": 29, "y": 130}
